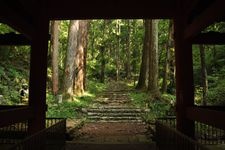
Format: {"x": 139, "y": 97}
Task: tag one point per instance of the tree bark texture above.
{"x": 127, "y": 66}
{"x": 54, "y": 44}
{"x": 168, "y": 58}
{"x": 204, "y": 75}
{"x": 70, "y": 57}
{"x": 80, "y": 58}
{"x": 153, "y": 59}
{"x": 118, "y": 51}
{"x": 85, "y": 53}
{"x": 145, "y": 55}
{"x": 102, "y": 73}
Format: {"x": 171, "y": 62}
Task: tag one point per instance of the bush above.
{"x": 139, "y": 98}
{"x": 73, "y": 109}
{"x": 158, "y": 108}
{"x": 216, "y": 95}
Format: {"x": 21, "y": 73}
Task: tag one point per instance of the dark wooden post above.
{"x": 184, "y": 74}
{"x": 38, "y": 71}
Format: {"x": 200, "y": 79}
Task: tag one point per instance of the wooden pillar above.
{"x": 38, "y": 71}
{"x": 184, "y": 74}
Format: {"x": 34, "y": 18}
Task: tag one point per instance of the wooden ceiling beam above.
{"x": 190, "y": 5}
{"x": 210, "y": 38}
{"x": 110, "y": 9}
{"x": 16, "y": 21}
{"x": 14, "y": 39}
{"x": 211, "y": 14}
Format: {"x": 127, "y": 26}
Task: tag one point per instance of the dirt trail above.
{"x": 113, "y": 131}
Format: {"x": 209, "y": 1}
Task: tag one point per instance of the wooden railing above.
{"x": 52, "y": 137}
{"x": 168, "y": 138}
{"x": 18, "y": 133}
{"x": 205, "y": 134}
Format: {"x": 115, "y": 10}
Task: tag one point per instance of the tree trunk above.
{"x": 145, "y": 55}
{"x": 54, "y": 44}
{"x": 85, "y": 53}
{"x": 118, "y": 51}
{"x": 153, "y": 59}
{"x": 70, "y": 58}
{"x": 127, "y": 66}
{"x": 79, "y": 76}
{"x": 168, "y": 58}
{"x": 204, "y": 74}
{"x": 102, "y": 74}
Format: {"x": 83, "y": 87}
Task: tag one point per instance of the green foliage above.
{"x": 62, "y": 110}
{"x": 67, "y": 109}
{"x": 158, "y": 108}
{"x": 139, "y": 99}
{"x": 105, "y": 33}
{"x": 5, "y": 29}
{"x": 215, "y": 63}
{"x": 13, "y": 73}
{"x": 216, "y": 95}
{"x": 94, "y": 87}
{"x": 14, "y": 67}
{"x": 73, "y": 109}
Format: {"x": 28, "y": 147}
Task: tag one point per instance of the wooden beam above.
{"x": 210, "y": 38}
{"x": 111, "y": 9}
{"x": 191, "y": 5}
{"x": 16, "y": 21}
{"x": 5, "y": 107}
{"x": 207, "y": 116}
{"x": 211, "y": 14}
{"x": 15, "y": 115}
{"x": 13, "y": 39}
{"x": 184, "y": 74}
{"x": 38, "y": 70}
{"x": 218, "y": 108}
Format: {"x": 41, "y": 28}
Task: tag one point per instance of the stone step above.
{"x": 119, "y": 107}
{"x": 116, "y": 110}
{"x": 113, "y": 118}
{"x": 115, "y": 114}
{"x": 112, "y": 99}
{"x": 114, "y": 96}
{"x": 115, "y": 107}
{"x": 115, "y": 93}
{"x": 117, "y": 121}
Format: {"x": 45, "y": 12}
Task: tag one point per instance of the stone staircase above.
{"x": 114, "y": 106}
{"x": 113, "y": 123}
{"x": 115, "y": 114}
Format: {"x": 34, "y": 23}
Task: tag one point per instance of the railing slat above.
{"x": 17, "y": 133}
{"x": 170, "y": 138}
{"x": 205, "y": 134}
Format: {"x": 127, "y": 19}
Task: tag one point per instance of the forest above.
{"x": 86, "y": 55}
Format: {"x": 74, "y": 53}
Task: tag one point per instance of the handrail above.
{"x": 45, "y": 138}
{"x": 11, "y": 134}
{"x": 170, "y": 139}
{"x": 205, "y": 134}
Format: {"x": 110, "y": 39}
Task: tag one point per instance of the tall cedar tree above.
{"x": 127, "y": 63}
{"x": 80, "y": 58}
{"x": 145, "y": 55}
{"x": 117, "y": 52}
{"x": 153, "y": 60}
{"x": 169, "y": 45}
{"x": 204, "y": 74}
{"x": 54, "y": 45}
{"x": 70, "y": 58}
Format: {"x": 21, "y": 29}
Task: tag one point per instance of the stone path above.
{"x": 113, "y": 123}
